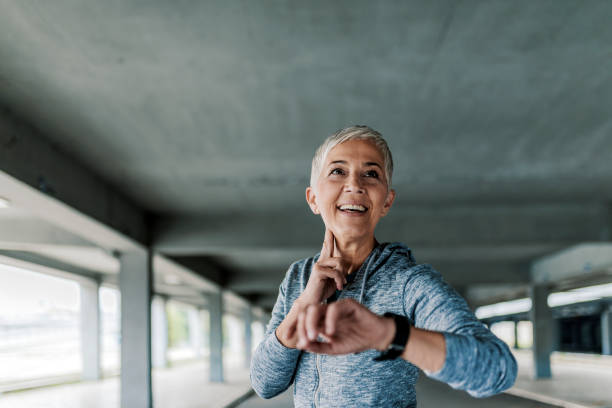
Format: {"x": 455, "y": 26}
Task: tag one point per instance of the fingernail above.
{"x": 311, "y": 335}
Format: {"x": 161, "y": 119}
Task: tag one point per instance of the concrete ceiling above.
{"x": 206, "y": 115}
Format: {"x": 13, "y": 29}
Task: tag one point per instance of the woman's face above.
{"x": 351, "y": 193}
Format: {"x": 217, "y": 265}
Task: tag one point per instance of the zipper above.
{"x": 316, "y": 393}
{"x": 318, "y": 364}
{"x": 318, "y": 356}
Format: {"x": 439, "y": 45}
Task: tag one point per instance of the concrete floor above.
{"x": 183, "y": 386}
{"x": 432, "y": 393}
{"x": 579, "y": 381}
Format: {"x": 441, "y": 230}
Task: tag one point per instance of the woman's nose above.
{"x": 353, "y": 184}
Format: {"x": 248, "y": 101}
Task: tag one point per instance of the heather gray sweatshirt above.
{"x": 388, "y": 281}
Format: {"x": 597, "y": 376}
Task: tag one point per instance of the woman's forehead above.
{"x": 360, "y": 150}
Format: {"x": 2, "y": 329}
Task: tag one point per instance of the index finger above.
{"x": 328, "y": 245}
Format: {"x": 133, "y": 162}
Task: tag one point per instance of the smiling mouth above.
{"x": 352, "y": 208}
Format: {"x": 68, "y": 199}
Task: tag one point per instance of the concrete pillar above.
{"x": 248, "y": 336}
{"x": 541, "y": 319}
{"x": 516, "y": 344}
{"x": 135, "y": 283}
{"x": 556, "y": 335}
{"x": 606, "y": 332}
{"x": 159, "y": 332}
{"x": 90, "y": 330}
{"x": 195, "y": 331}
{"x": 215, "y": 308}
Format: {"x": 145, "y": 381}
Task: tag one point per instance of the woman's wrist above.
{"x": 286, "y": 328}
{"x": 306, "y": 299}
{"x": 385, "y": 333}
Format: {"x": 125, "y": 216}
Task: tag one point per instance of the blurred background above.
{"x": 154, "y": 157}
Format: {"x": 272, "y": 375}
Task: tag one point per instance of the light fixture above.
{"x": 4, "y": 202}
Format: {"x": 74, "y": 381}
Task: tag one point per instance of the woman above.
{"x": 352, "y": 324}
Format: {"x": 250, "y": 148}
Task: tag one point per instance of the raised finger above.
{"x": 328, "y": 245}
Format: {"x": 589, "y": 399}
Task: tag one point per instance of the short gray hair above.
{"x": 358, "y": 132}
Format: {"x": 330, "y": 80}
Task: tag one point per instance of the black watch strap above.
{"x": 402, "y": 333}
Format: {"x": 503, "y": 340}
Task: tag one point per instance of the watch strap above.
{"x": 398, "y": 344}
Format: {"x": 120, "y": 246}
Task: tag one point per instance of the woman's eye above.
{"x": 371, "y": 173}
{"x": 337, "y": 172}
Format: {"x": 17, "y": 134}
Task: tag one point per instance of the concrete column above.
{"x": 215, "y": 308}
{"x": 195, "y": 331}
{"x": 135, "y": 283}
{"x": 606, "y": 332}
{"x": 248, "y": 336}
{"x": 541, "y": 319}
{"x": 90, "y": 330}
{"x": 159, "y": 332}
{"x": 556, "y": 335}
{"x": 516, "y": 344}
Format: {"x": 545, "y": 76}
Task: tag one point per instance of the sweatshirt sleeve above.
{"x": 273, "y": 365}
{"x": 476, "y": 360}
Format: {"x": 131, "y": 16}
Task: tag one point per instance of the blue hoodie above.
{"x": 388, "y": 281}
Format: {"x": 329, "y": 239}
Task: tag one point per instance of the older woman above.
{"x": 352, "y": 324}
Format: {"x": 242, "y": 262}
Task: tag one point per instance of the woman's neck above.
{"x": 354, "y": 252}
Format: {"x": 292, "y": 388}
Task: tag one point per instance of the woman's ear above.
{"x": 388, "y": 202}
{"x": 311, "y": 199}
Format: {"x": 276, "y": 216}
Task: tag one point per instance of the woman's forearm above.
{"x": 425, "y": 349}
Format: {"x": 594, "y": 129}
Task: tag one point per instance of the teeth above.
{"x": 353, "y": 207}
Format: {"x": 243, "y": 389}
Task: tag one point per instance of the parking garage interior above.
{"x": 154, "y": 157}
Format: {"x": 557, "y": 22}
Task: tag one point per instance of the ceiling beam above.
{"x": 255, "y": 283}
{"x": 39, "y": 178}
{"x": 168, "y": 270}
{"x": 471, "y": 273}
{"x": 176, "y": 290}
{"x": 49, "y": 266}
{"x": 205, "y": 267}
{"x": 29, "y": 234}
{"x": 587, "y": 261}
{"x": 473, "y": 225}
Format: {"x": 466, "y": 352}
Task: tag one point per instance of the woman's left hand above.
{"x": 345, "y": 326}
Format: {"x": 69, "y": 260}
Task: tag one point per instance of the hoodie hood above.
{"x": 380, "y": 255}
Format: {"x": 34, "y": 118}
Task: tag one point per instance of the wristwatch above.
{"x": 402, "y": 333}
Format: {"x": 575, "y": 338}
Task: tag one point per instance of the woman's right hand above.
{"x": 328, "y": 274}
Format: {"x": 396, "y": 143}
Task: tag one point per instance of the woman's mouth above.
{"x": 352, "y": 208}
